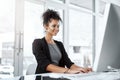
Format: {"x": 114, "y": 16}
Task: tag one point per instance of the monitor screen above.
{"x": 110, "y": 51}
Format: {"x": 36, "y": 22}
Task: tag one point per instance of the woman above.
{"x": 50, "y": 54}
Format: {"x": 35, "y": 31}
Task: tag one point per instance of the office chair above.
{"x": 31, "y": 69}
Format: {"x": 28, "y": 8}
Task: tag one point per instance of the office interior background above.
{"x": 82, "y": 30}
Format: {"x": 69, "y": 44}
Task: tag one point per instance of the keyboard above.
{"x": 80, "y": 75}
{"x": 85, "y": 76}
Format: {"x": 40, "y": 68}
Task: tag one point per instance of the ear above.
{"x": 46, "y": 27}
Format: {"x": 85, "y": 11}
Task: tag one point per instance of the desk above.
{"x": 58, "y": 76}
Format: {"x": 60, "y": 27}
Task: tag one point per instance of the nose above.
{"x": 56, "y": 28}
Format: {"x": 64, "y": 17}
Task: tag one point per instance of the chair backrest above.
{"x": 31, "y": 69}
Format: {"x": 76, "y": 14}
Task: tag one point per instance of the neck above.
{"x": 49, "y": 39}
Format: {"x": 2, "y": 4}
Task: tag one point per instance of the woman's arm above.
{"x": 40, "y": 55}
{"x": 57, "y": 69}
{"x": 65, "y": 58}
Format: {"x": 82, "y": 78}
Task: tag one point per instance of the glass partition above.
{"x": 7, "y": 30}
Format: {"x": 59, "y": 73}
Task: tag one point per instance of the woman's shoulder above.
{"x": 38, "y": 40}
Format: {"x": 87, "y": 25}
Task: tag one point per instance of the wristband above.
{"x": 67, "y": 71}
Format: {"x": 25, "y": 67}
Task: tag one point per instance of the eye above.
{"x": 54, "y": 26}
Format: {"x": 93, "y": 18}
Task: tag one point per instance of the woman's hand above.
{"x": 70, "y": 71}
{"x": 89, "y": 69}
{"x": 80, "y": 69}
{"x": 85, "y": 70}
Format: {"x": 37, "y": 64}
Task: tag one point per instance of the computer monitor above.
{"x": 110, "y": 51}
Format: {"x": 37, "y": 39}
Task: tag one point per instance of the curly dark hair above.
{"x": 50, "y": 14}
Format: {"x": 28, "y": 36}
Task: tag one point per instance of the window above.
{"x": 80, "y": 37}
{"x": 59, "y": 1}
{"x": 87, "y": 4}
{"x": 102, "y": 5}
{"x": 33, "y": 29}
{"x": 7, "y": 21}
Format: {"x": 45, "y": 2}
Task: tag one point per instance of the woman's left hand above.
{"x": 88, "y": 69}
{"x": 84, "y": 70}
{"x": 81, "y": 69}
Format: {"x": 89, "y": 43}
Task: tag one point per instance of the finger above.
{"x": 89, "y": 69}
{"x": 77, "y": 72}
{"x": 83, "y": 71}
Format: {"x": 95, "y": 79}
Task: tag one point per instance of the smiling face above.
{"x": 52, "y": 28}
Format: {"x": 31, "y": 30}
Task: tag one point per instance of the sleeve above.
{"x": 66, "y": 59}
{"x": 40, "y": 55}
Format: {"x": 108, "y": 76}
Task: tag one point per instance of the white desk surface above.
{"x": 84, "y": 76}
{"x": 87, "y": 76}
